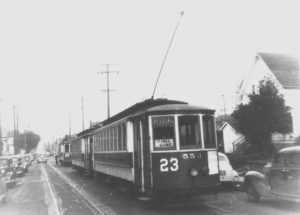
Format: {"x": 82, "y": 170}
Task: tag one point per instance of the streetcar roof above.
{"x": 139, "y": 108}
{"x": 150, "y": 106}
{"x": 180, "y": 107}
{"x": 175, "y": 109}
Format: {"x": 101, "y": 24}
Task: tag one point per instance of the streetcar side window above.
{"x": 120, "y": 138}
{"x": 116, "y": 138}
{"x": 209, "y": 131}
{"x": 189, "y": 132}
{"x": 124, "y": 136}
{"x": 163, "y": 133}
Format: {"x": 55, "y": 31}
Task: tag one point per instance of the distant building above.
{"x": 8, "y": 146}
{"x": 283, "y": 70}
{"x": 229, "y": 139}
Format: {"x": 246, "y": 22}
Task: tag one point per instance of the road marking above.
{"x": 51, "y": 191}
{"x": 83, "y": 194}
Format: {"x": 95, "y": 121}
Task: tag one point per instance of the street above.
{"x": 54, "y": 189}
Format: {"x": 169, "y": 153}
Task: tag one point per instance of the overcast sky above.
{"x": 51, "y": 51}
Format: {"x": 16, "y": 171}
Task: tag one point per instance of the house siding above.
{"x": 261, "y": 71}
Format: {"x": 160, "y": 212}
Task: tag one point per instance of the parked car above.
{"x": 17, "y": 166}
{"x": 42, "y": 158}
{"x": 279, "y": 178}
{"x": 25, "y": 163}
{"x": 3, "y": 190}
{"x": 7, "y": 171}
{"x": 227, "y": 174}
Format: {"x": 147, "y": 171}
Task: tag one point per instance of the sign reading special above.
{"x": 158, "y": 120}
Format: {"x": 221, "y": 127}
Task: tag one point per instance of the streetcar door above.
{"x": 87, "y": 153}
{"x": 138, "y": 156}
{"x": 90, "y": 157}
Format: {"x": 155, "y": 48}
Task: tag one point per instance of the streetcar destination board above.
{"x": 163, "y": 120}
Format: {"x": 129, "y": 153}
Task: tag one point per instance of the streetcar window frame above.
{"x": 164, "y": 125}
{"x": 209, "y": 132}
{"x": 124, "y": 137}
{"x": 112, "y": 138}
{"x": 194, "y": 131}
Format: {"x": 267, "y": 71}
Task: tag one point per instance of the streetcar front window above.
{"x": 189, "y": 132}
{"x": 163, "y": 133}
{"x": 209, "y": 131}
{"x": 67, "y": 148}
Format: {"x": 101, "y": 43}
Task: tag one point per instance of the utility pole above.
{"x": 25, "y": 141}
{"x": 107, "y": 72}
{"x": 82, "y": 111}
{"x": 1, "y": 143}
{"x": 224, "y": 108}
{"x": 17, "y": 120}
{"x": 14, "y": 116}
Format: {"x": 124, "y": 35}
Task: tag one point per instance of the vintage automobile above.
{"x": 227, "y": 174}
{"x": 6, "y": 170}
{"x": 3, "y": 190}
{"x": 280, "y": 178}
{"x": 42, "y": 158}
{"x": 17, "y": 166}
{"x": 25, "y": 163}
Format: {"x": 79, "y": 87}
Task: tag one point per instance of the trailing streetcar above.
{"x": 82, "y": 151}
{"x": 64, "y": 152}
{"x": 161, "y": 147}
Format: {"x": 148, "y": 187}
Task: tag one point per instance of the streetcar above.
{"x": 64, "y": 152}
{"x": 160, "y": 147}
{"x": 82, "y": 151}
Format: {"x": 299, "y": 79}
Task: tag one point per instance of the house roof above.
{"x": 284, "y": 67}
{"x": 232, "y": 125}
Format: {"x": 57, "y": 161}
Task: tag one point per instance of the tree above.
{"x": 265, "y": 114}
{"x": 26, "y": 141}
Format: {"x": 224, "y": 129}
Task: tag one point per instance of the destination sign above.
{"x": 163, "y": 120}
{"x": 162, "y": 143}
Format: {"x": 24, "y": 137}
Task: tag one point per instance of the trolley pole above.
{"x": 107, "y": 72}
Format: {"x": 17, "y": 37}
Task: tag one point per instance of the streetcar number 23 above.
{"x": 169, "y": 165}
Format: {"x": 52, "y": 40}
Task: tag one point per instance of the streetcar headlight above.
{"x": 194, "y": 172}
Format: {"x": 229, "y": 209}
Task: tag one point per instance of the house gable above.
{"x": 283, "y": 70}
{"x": 284, "y": 67}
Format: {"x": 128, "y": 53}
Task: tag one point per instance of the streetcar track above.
{"x": 81, "y": 194}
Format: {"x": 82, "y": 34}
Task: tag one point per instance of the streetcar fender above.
{"x": 258, "y": 180}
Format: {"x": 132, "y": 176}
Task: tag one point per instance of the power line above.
{"x": 108, "y": 90}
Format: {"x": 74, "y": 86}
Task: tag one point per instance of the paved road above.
{"x": 31, "y": 195}
{"x": 53, "y": 189}
{"x": 229, "y": 201}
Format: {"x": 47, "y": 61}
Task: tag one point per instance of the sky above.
{"x": 52, "y": 54}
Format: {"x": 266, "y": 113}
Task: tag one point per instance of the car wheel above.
{"x": 252, "y": 194}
